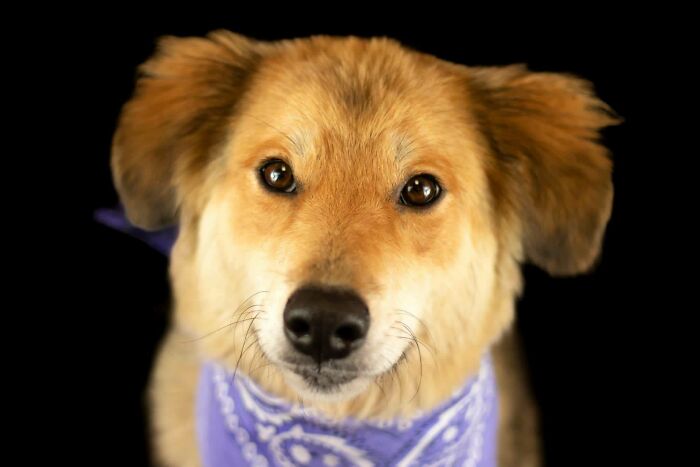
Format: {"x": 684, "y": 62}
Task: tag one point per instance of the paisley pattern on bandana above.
{"x": 239, "y": 424}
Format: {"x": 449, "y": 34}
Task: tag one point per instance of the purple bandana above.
{"x": 161, "y": 241}
{"x": 239, "y": 424}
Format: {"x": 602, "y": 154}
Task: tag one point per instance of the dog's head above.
{"x": 346, "y": 203}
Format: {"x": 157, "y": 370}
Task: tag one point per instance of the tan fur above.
{"x": 523, "y": 179}
{"x": 518, "y": 434}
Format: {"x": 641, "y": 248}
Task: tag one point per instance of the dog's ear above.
{"x": 547, "y": 168}
{"x": 184, "y": 96}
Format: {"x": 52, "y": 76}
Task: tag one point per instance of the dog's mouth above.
{"x": 328, "y": 379}
{"x": 324, "y": 379}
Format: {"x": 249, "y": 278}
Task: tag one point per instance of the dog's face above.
{"x": 347, "y": 203}
{"x": 340, "y": 183}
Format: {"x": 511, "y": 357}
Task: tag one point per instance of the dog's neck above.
{"x": 240, "y": 424}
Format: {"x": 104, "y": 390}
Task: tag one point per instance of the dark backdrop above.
{"x": 576, "y": 331}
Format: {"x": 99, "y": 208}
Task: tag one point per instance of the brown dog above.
{"x": 415, "y": 185}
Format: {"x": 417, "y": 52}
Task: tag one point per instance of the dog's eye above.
{"x": 420, "y": 190}
{"x": 277, "y": 175}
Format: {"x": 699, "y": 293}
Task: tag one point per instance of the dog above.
{"x": 352, "y": 217}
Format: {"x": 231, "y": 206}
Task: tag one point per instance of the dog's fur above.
{"x": 515, "y": 151}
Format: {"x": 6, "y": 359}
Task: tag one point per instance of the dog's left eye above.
{"x": 278, "y": 175}
{"x": 421, "y": 190}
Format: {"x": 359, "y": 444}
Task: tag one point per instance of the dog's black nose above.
{"x": 325, "y": 323}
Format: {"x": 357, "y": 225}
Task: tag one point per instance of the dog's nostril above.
{"x": 300, "y": 327}
{"x": 349, "y": 333}
{"x": 347, "y": 337}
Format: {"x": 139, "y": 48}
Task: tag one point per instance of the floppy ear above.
{"x": 548, "y": 169}
{"x": 184, "y": 96}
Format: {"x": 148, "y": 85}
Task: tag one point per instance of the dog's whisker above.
{"x": 258, "y": 354}
{"x": 250, "y": 297}
{"x": 397, "y": 368}
{"x": 255, "y": 341}
{"x": 260, "y": 367}
{"x": 390, "y": 373}
{"x": 417, "y": 341}
{"x": 246, "y": 310}
{"x": 419, "y": 320}
{"x": 243, "y": 347}
{"x": 239, "y": 311}
{"x": 217, "y": 330}
{"x": 420, "y": 378}
{"x": 409, "y": 332}
{"x": 250, "y": 346}
{"x": 268, "y": 362}
{"x": 414, "y": 339}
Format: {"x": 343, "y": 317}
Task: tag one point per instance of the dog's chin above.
{"x": 325, "y": 386}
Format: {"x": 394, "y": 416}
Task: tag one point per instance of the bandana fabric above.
{"x": 239, "y": 424}
{"x": 161, "y": 240}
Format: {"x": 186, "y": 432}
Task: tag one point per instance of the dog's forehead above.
{"x": 355, "y": 97}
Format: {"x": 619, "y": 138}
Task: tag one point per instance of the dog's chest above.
{"x": 238, "y": 424}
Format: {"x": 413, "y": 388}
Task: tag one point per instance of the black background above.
{"x": 578, "y": 332}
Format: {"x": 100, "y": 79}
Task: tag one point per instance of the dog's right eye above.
{"x": 420, "y": 191}
{"x": 278, "y": 176}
